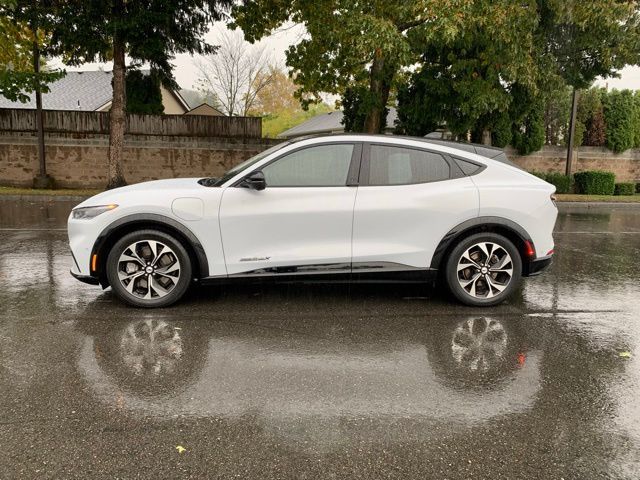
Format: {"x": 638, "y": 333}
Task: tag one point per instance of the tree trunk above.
{"x": 572, "y": 129}
{"x": 42, "y": 180}
{"x": 115, "y": 178}
{"x": 381, "y": 77}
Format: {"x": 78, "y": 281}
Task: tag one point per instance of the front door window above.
{"x": 318, "y": 166}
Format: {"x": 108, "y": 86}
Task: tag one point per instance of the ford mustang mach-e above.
{"x": 354, "y": 207}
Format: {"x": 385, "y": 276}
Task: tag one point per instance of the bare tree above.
{"x": 235, "y": 74}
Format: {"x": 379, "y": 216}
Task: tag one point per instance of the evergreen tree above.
{"x": 150, "y": 32}
{"x": 143, "y": 93}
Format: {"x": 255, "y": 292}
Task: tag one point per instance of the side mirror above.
{"x": 255, "y": 181}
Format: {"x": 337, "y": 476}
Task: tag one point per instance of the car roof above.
{"x": 486, "y": 151}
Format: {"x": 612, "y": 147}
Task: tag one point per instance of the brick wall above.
{"x": 625, "y": 165}
{"x": 80, "y": 160}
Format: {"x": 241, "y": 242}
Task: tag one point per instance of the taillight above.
{"x": 528, "y": 249}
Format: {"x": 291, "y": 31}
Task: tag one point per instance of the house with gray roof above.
{"x": 331, "y": 123}
{"x": 91, "y": 92}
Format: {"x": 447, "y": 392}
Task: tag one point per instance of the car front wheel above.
{"x": 149, "y": 268}
{"x": 483, "y": 269}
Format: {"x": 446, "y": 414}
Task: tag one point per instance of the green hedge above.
{"x": 625, "y": 189}
{"x": 638, "y": 187}
{"x": 529, "y": 134}
{"x": 619, "y": 118}
{"x": 542, "y": 175}
{"x": 563, "y": 183}
{"x": 595, "y": 182}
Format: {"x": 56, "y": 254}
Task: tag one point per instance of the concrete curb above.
{"x": 44, "y": 198}
{"x": 566, "y": 206}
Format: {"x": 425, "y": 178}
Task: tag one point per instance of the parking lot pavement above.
{"x": 312, "y": 381}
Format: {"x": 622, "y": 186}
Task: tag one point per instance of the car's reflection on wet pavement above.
{"x": 312, "y": 381}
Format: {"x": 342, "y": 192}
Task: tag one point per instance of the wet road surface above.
{"x": 308, "y": 381}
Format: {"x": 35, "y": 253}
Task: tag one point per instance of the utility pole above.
{"x": 42, "y": 180}
{"x": 572, "y": 128}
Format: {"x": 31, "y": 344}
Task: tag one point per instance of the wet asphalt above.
{"x": 319, "y": 381}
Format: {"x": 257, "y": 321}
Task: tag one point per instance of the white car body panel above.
{"x": 403, "y": 224}
{"x": 156, "y": 197}
{"x": 243, "y": 230}
{"x": 507, "y": 192}
{"x": 280, "y": 227}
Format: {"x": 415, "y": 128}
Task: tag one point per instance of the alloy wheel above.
{"x": 148, "y": 269}
{"x": 485, "y": 270}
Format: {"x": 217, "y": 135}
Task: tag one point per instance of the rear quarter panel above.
{"x": 513, "y": 194}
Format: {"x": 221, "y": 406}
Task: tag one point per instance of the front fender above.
{"x": 128, "y": 223}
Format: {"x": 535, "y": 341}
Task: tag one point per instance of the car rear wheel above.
{"x": 483, "y": 269}
{"x": 149, "y": 268}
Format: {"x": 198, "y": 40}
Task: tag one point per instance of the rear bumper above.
{"x": 537, "y": 266}
{"x": 85, "y": 278}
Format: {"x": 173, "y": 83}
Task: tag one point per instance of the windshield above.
{"x": 247, "y": 163}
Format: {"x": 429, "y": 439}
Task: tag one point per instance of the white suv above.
{"x": 363, "y": 207}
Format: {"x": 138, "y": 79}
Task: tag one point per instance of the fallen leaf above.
{"x": 624, "y": 354}
{"x": 180, "y": 448}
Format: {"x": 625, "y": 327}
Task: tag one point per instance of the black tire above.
{"x": 176, "y": 286}
{"x": 489, "y": 299}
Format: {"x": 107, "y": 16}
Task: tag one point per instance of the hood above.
{"x": 177, "y": 185}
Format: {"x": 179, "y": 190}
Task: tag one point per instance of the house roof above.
{"x": 82, "y": 91}
{"x": 204, "y": 109}
{"x": 329, "y": 123}
{"x": 86, "y": 91}
{"x": 193, "y": 98}
{"x": 181, "y": 100}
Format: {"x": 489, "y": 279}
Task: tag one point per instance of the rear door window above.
{"x": 394, "y": 165}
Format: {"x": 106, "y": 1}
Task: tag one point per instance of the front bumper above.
{"x": 537, "y": 266}
{"x": 85, "y": 278}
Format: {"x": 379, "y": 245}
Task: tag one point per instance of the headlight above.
{"x": 86, "y": 213}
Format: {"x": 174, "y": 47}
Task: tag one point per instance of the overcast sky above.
{"x": 186, "y": 73}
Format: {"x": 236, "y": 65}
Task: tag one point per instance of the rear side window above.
{"x": 392, "y": 165}
{"x": 467, "y": 167}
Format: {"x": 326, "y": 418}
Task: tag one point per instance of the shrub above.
{"x": 501, "y": 132}
{"x": 636, "y": 119}
{"x": 143, "y": 93}
{"x": 563, "y": 183}
{"x": 556, "y": 114}
{"x": 638, "y": 187}
{"x": 595, "y": 135}
{"x": 625, "y": 189}
{"x": 542, "y": 175}
{"x": 619, "y": 117}
{"x": 579, "y": 132}
{"x": 595, "y": 182}
{"x": 528, "y": 134}
{"x": 588, "y": 103}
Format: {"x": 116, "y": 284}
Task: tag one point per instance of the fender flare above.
{"x": 151, "y": 219}
{"x": 474, "y": 223}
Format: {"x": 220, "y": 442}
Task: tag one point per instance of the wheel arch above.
{"x": 502, "y": 226}
{"x": 110, "y": 235}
